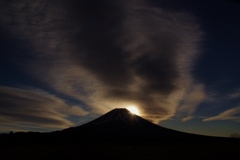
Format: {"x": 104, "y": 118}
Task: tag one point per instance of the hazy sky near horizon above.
{"x": 65, "y": 63}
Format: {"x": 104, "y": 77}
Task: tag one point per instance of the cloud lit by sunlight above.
{"x": 133, "y": 110}
{"x": 108, "y": 55}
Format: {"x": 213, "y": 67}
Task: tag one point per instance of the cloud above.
{"x": 35, "y": 109}
{"x": 234, "y": 95}
{"x": 187, "y": 118}
{"x": 109, "y": 54}
{"x": 76, "y": 110}
{"x": 195, "y": 95}
{"x": 230, "y": 115}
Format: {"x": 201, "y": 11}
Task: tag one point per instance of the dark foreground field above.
{"x": 213, "y": 150}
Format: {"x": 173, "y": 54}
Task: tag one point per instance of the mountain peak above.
{"x": 121, "y": 121}
{"x": 118, "y": 120}
{"x": 117, "y": 114}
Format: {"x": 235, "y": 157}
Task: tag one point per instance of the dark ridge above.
{"x": 120, "y": 121}
{"x": 118, "y": 126}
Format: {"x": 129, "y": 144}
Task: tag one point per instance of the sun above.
{"x": 133, "y": 110}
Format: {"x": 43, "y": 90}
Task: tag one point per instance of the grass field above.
{"x": 105, "y": 151}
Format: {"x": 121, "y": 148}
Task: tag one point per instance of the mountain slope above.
{"x": 119, "y": 120}
{"x": 122, "y": 123}
{"x": 117, "y": 134}
{"x": 118, "y": 126}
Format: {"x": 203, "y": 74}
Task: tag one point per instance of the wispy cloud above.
{"x": 234, "y": 95}
{"x": 195, "y": 95}
{"x": 34, "y": 109}
{"x": 187, "y": 118}
{"x": 231, "y": 115}
{"x": 110, "y": 54}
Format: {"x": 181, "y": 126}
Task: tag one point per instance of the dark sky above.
{"x": 63, "y": 64}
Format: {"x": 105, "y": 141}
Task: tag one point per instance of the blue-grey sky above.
{"x": 63, "y": 64}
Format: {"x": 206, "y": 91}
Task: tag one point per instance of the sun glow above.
{"x": 133, "y": 110}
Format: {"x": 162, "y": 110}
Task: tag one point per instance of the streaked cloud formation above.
{"x": 195, "y": 95}
{"x": 187, "y": 118}
{"x": 105, "y": 54}
{"x": 230, "y": 114}
{"x": 234, "y": 95}
{"x": 34, "y": 108}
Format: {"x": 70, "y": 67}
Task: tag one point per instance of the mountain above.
{"x": 120, "y": 125}
{"x": 119, "y": 121}
{"x": 117, "y": 134}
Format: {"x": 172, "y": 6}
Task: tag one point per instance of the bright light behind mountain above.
{"x": 133, "y": 110}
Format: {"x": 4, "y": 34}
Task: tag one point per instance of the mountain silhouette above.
{"x": 119, "y": 126}
{"x": 118, "y": 134}
{"x": 120, "y": 121}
